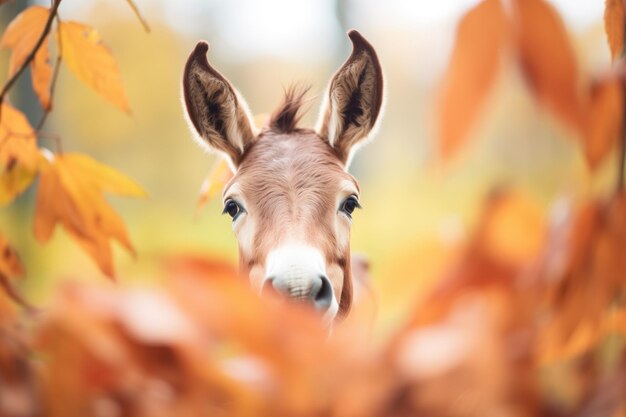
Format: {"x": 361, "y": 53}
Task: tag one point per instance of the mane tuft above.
{"x": 286, "y": 117}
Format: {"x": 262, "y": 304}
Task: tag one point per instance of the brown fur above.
{"x": 290, "y": 182}
{"x": 291, "y": 177}
{"x": 213, "y": 106}
{"x": 287, "y": 115}
{"x": 355, "y": 97}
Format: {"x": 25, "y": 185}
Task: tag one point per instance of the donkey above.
{"x": 291, "y": 198}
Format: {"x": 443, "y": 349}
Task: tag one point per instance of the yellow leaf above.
{"x": 41, "y": 74}
{"x": 92, "y": 62}
{"x": 547, "y": 59}
{"x": 614, "y": 26}
{"x": 10, "y": 264}
{"x": 480, "y": 38}
{"x": 17, "y": 139}
{"x": 515, "y": 229}
{"x": 603, "y": 122}
{"x": 23, "y": 33}
{"x": 70, "y": 193}
{"x": 14, "y": 179}
{"x": 103, "y": 177}
{"x": 214, "y": 182}
{"x": 19, "y": 155}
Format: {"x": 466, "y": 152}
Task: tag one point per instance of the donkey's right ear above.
{"x": 217, "y": 112}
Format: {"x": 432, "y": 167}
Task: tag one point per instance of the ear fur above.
{"x": 217, "y": 113}
{"x": 354, "y": 100}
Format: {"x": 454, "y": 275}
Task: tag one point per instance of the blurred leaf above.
{"x": 104, "y": 177}
{"x": 547, "y": 59}
{"x": 10, "y": 264}
{"x": 614, "y": 26}
{"x": 515, "y": 229}
{"x": 22, "y": 34}
{"x": 214, "y": 183}
{"x": 603, "y": 120}
{"x": 19, "y": 155}
{"x": 481, "y": 36}
{"x": 70, "y": 193}
{"x": 14, "y": 179}
{"x": 92, "y": 62}
{"x": 41, "y": 73}
{"x": 584, "y": 270}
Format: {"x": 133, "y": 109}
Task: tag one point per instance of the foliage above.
{"x": 533, "y": 299}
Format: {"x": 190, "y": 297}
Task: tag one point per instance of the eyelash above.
{"x": 349, "y": 205}
{"x": 233, "y": 208}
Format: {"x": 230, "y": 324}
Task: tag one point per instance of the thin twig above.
{"x": 622, "y": 151}
{"x": 15, "y": 295}
{"x": 139, "y": 16}
{"x": 31, "y": 56}
{"x": 55, "y": 75}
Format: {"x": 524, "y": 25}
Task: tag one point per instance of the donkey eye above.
{"x": 349, "y": 205}
{"x": 233, "y": 209}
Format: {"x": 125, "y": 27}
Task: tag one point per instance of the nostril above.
{"x": 323, "y": 298}
{"x": 268, "y": 286}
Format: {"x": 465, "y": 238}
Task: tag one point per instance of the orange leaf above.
{"x": 614, "y": 26}
{"x": 23, "y": 33}
{"x": 480, "y": 38}
{"x": 514, "y": 230}
{"x": 92, "y": 62}
{"x": 214, "y": 182}
{"x": 10, "y": 264}
{"x": 41, "y": 73}
{"x": 103, "y": 177}
{"x": 603, "y": 123}
{"x": 70, "y": 193}
{"x": 547, "y": 59}
{"x": 19, "y": 155}
{"x": 21, "y": 36}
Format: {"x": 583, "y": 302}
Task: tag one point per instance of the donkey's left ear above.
{"x": 354, "y": 99}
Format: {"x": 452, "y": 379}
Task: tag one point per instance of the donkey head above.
{"x": 291, "y": 198}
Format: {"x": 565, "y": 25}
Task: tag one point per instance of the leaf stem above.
{"x": 143, "y": 21}
{"x": 55, "y": 75}
{"x": 622, "y": 152}
{"x": 31, "y": 55}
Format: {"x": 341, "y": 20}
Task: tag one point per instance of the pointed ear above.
{"x": 354, "y": 99}
{"x": 218, "y": 114}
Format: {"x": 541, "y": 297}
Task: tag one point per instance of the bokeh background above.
{"x": 416, "y": 209}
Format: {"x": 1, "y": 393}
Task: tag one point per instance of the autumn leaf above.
{"x": 515, "y": 229}
{"x": 41, "y": 73}
{"x": 103, "y": 177}
{"x": 92, "y": 62}
{"x": 22, "y": 34}
{"x": 10, "y": 263}
{"x": 480, "y": 39}
{"x": 614, "y": 26}
{"x": 70, "y": 193}
{"x": 547, "y": 59}
{"x": 214, "y": 182}
{"x": 603, "y": 122}
{"x": 19, "y": 155}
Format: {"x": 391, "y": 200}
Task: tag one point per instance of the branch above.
{"x": 622, "y": 151}
{"x": 139, "y": 16}
{"x": 31, "y": 56}
{"x": 15, "y": 295}
{"x": 55, "y": 75}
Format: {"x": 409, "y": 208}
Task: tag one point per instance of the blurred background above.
{"x": 416, "y": 209}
